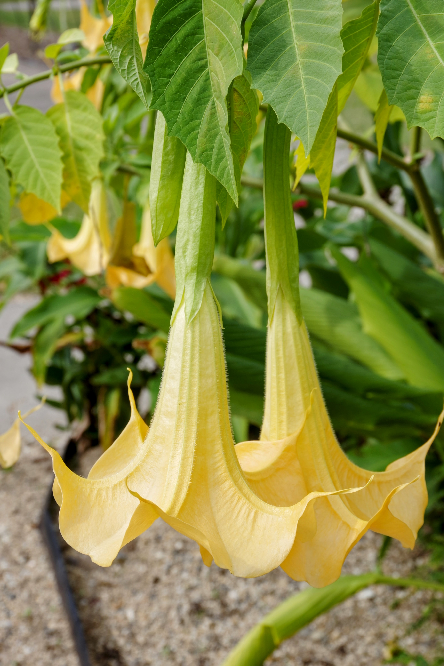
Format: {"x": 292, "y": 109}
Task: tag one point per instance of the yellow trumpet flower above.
{"x": 11, "y": 441}
{"x": 299, "y": 453}
{"x": 89, "y": 250}
{"x": 139, "y": 264}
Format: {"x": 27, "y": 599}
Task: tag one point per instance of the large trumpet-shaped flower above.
{"x": 299, "y": 453}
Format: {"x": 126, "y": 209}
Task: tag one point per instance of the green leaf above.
{"x": 295, "y": 56}
{"x": 78, "y": 303}
{"x": 323, "y": 151}
{"x": 30, "y": 147}
{"x": 357, "y": 36}
{"x": 142, "y": 306}
{"x": 44, "y": 345}
{"x": 418, "y": 355}
{"x": 234, "y": 302}
{"x": 243, "y": 107}
{"x": 247, "y": 406}
{"x": 122, "y": 43}
{"x": 4, "y": 51}
{"x": 11, "y": 63}
{"x": 413, "y": 284}
{"x": 411, "y": 60}
{"x": 336, "y": 322}
{"x": 80, "y": 129}
{"x": 4, "y": 202}
{"x": 382, "y": 116}
{"x": 167, "y": 167}
{"x": 253, "y": 282}
{"x": 194, "y": 53}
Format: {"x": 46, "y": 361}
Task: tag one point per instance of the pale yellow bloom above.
{"x": 89, "y": 249}
{"x": 38, "y": 211}
{"x": 144, "y": 14}
{"x": 185, "y": 470}
{"x": 11, "y": 442}
{"x": 299, "y": 454}
{"x": 74, "y": 82}
{"x": 93, "y": 28}
{"x": 140, "y": 264}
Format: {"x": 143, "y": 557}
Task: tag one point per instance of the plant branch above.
{"x": 431, "y": 217}
{"x": 68, "y": 67}
{"x": 387, "y": 155}
{"x": 376, "y": 206}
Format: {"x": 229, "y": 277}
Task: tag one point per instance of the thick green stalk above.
{"x": 195, "y": 237}
{"x": 298, "y": 611}
{"x": 280, "y": 234}
{"x": 68, "y": 67}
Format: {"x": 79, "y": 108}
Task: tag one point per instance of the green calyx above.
{"x": 281, "y": 242}
{"x": 195, "y": 237}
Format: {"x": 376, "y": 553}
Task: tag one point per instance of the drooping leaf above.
{"x": 411, "y": 60}
{"x": 30, "y": 147}
{"x": 167, "y": 167}
{"x": 194, "y": 53}
{"x": 44, "y": 345}
{"x": 4, "y": 52}
{"x": 122, "y": 44}
{"x": 357, "y": 37}
{"x": 142, "y": 306}
{"x": 302, "y": 163}
{"x": 243, "y": 106}
{"x": 382, "y": 116}
{"x": 4, "y": 202}
{"x": 323, "y": 151}
{"x": 80, "y": 128}
{"x": 295, "y": 56}
{"x": 413, "y": 284}
{"x": 418, "y": 355}
{"x": 336, "y": 322}
{"x": 78, "y": 303}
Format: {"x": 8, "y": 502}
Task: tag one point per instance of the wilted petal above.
{"x": 311, "y": 460}
{"x": 98, "y": 515}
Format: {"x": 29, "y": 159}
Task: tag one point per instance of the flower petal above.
{"x": 98, "y": 515}
{"x": 190, "y": 471}
{"x": 311, "y": 460}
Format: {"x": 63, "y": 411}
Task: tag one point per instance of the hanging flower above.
{"x": 139, "y": 264}
{"x": 11, "y": 441}
{"x": 299, "y": 453}
{"x": 89, "y": 249}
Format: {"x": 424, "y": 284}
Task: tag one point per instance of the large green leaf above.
{"x": 30, "y": 147}
{"x": 44, "y": 345}
{"x": 78, "y": 303}
{"x": 357, "y": 37}
{"x": 243, "y": 106}
{"x": 4, "y": 202}
{"x": 80, "y": 129}
{"x": 413, "y": 284}
{"x": 419, "y": 356}
{"x": 194, "y": 53}
{"x": 336, "y": 322}
{"x": 295, "y": 56}
{"x": 122, "y": 44}
{"x": 411, "y": 60}
{"x": 142, "y": 306}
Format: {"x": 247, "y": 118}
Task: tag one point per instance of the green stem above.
{"x": 431, "y": 217}
{"x": 377, "y": 207}
{"x": 301, "y": 609}
{"x": 387, "y": 155}
{"x": 68, "y": 67}
{"x": 422, "y": 193}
